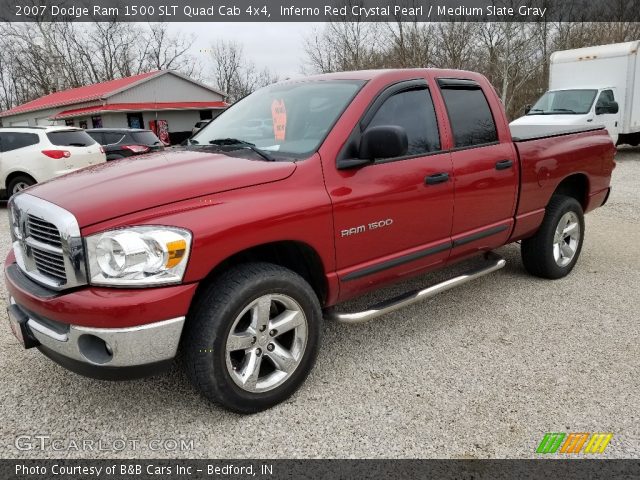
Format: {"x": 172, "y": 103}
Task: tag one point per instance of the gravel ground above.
{"x": 478, "y": 372}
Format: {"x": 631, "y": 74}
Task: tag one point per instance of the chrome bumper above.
{"x": 111, "y": 347}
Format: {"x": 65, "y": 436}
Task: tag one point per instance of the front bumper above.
{"x": 89, "y": 347}
{"x": 108, "y": 353}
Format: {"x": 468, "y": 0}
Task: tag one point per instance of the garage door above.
{"x": 24, "y": 123}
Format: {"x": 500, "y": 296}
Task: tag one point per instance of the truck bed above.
{"x": 525, "y": 133}
{"x": 546, "y": 160}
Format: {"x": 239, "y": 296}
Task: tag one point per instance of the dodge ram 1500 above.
{"x": 232, "y": 249}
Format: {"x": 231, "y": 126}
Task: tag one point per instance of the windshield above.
{"x": 564, "y": 102}
{"x": 290, "y": 119}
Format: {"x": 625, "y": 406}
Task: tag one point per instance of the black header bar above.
{"x": 566, "y": 469}
{"x": 320, "y": 11}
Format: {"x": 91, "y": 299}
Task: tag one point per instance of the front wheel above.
{"x": 252, "y": 337}
{"x": 554, "y": 250}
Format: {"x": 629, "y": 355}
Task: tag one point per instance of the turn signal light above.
{"x": 137, "y": 148}
{"x": 176, "y": 251}
{"x": 57, "y": 154}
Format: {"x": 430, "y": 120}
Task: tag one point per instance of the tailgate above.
{"x": 84, "y": 156}
{"x": 83, "y": 149}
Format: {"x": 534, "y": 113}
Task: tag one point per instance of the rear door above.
{"x": 485, "y": 168}
{"x": 17, "y": 153}
{"x": 389, "y": 222}
{"x": 83, "y": 149}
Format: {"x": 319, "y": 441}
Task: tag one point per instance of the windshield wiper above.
{"x": 234, "y": 142}
{"x": 563, "y": 110}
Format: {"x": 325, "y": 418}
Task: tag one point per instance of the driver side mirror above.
{"x": 377, "y": 143}
{"x": 527, "y": 108}
{"x": 384, "y": 141}
{"x": 609, "y": 107}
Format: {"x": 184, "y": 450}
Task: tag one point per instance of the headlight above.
{"x": 14, "y": 222}
{"x": 138, "y": 256}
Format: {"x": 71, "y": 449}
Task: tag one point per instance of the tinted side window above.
{"x": 70, "y": 138}
{"x": 470, "y": 117}
{"x": 13, "y": 140}
{"x": 412, "y": 110}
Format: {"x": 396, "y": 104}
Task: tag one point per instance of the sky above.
{"x": 278, "y": 46}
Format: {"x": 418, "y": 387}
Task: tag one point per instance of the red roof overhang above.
{"x": 84, "y": 94}
{"x": 139, "y": 107}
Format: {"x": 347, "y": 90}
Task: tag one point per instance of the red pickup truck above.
{"x": 309, "y": 192}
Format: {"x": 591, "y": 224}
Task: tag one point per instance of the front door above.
{"x": 389, "y": 221}
{"x": 609, "y": 120}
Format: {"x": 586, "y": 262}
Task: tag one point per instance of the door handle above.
{"x": 436, "y": 178}
{"x": 504, "y": 164}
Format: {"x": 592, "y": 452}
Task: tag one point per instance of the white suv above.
{"x": 29, "y": 155}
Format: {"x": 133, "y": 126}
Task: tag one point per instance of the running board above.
{"x": 493, "y": 262}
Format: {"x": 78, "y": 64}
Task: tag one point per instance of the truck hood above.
{"x": 110, "y": 190}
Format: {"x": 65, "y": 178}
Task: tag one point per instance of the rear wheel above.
{"x": 19, "y": 183}
{"x": 554, "y": 250}
{"x": 252, "y": 337}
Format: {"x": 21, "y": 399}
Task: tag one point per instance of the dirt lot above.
{"x": 482, "y": 371}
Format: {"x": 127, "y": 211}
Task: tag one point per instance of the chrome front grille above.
{"x": 51, "y": 264}
{"x": 47, "y": 242}
{"x": 43, "y": 231}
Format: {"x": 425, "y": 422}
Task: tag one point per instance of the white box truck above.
{"x": 588, "y": 87}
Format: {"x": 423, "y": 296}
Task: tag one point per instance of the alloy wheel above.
{"x": 566, "y": 239}
{"x": 266, "y": 343}
{"x": 18, "y": 187}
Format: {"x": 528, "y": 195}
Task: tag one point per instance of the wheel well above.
{"x": 13, "y": 175}
{"x": 576, "y": 186}
{"x": 296, "y": 256}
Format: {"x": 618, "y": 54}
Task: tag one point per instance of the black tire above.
{"x": 209, "y": 325}
{"x": 20, "y": 180}
{"x": 538, "y": 251}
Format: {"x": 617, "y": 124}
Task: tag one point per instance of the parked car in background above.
{"x": 257, "y": 128}
{"x": 589, "y": 87}
{"x": 199, "y": 126}
{"x": 126, "y": 142}
{"x": 30, "y": 155}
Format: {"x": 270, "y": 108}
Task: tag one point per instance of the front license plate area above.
{"x": 18, "y": 322}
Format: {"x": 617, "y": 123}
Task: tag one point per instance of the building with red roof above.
{"x": 162, "y": 97}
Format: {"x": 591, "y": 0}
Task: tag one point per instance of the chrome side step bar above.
{"x": 493, "y": 262}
